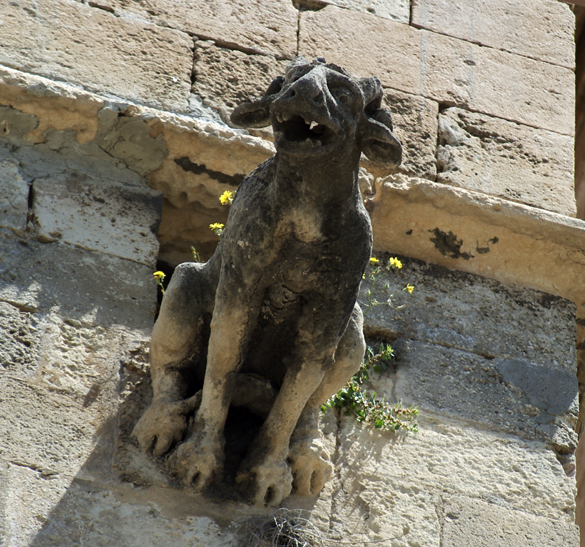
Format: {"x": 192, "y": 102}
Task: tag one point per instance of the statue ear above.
{"x": 378, "y": 142}
{"x": 256, "y": 113}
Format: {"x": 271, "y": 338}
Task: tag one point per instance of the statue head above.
{"x": 318, "y": 109}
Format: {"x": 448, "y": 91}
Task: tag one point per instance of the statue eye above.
{"x": 343, "y": 95}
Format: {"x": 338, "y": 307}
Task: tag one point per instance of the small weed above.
{"x": 377, "y": 268}
{"x": 159, "y": 277}
{"x": 365, "y": 406}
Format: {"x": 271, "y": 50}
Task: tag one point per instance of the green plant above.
{"x": 355, "y": 399}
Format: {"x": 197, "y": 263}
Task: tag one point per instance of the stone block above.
{"x": 473, "y": 314}
{"x": 469, "y": 521}
{"x": 498, "y": 83}
{"x": 396, "y": 10}
{"x": 541, "y": 29}
{"x": 259, "y": 27}
{"x": 415, "y": 123}
{"x": 14, "y": 191}
{"x": 71, "y": 41}
{"x": 481, "y": 234}
{"x": 507, "y": 160}
{"x": 512, "y": 395}
{"x": 224, "y": 78}
{"x": 353, "y": 40}
{"x": 44, "y": 430}
{"x": 389, "y": 489}
{"x": 100, "y": 515}
{"x": 115, "y": 220}
{"x": 87, "y": 288}
{"x": 448, "y": 70}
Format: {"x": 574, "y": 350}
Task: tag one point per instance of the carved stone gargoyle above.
{"x": 271, "y": 321}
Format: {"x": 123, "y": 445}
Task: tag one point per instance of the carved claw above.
{"x": 164, "y": 424}
{"x": 310, "y": 465}
{"x": 197, "y": 462}
{"x": 266, "y": 484}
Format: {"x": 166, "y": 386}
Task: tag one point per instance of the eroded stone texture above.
{"x": 540, "y": 30}
{"x": 457, "y": 228}
{"x": 261, "y": 27}
{"x": 391, "y": 490}
{"x": 14, "y": 193}
{"x": 470, "y": 521}
{"x": 106, "y": 291}
{"x": 447, "y": 306}
{"x": 76, "y": 211}
{"x": 459, "y": 73}
{"x": 224, "y": 78}
{"x": 396, "y": 10}
{"x": 415, "y": 120}
{"x": 445, "y": 69}
{"x": 505, "y": 159}
{"x": 124, "y": 57}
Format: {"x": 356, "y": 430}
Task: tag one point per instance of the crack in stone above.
{"x": 201, "y": 169}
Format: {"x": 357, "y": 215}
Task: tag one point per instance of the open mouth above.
{"x": 302, "y": 130}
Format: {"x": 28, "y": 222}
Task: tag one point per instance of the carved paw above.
{"x": 267, "y": 483}
{"x": 164, "y": 424}
{"x": 197, "y": 461}
{"x": 310, "y": 465}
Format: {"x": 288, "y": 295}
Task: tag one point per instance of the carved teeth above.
{"x": 313, "y": 125}
{"x": 308, "y": 141}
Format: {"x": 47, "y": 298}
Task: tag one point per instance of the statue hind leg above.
{"x": 178, "y": 339}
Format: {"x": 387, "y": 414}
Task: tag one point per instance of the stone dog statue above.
{"x": 271, "y": 320}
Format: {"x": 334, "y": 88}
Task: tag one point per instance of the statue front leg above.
{"x": 199, "y": 460}
{"x": 309, "y": 460}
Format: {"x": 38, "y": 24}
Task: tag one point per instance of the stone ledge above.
{"x": 530, "y": 241}
{"x": 477, "y": 233}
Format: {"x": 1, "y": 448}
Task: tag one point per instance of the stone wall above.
{"x": 115, "y": 143}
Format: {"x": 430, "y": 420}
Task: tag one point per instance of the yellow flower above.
{"x": 217, "y": 228}
{"x": 374, "y": 260}
{"x": 159, "y": 276}
{"x": 227, "y": 198}
{"x": 395, "y": 263}
{"x": 410, "y": 288}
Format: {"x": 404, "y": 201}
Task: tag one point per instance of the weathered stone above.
{"x": 447, "y": 306}
{"x": 306, "y": 200}
{"x": 450, "y": 71}
{"x": 119, "y": 221}
{"x": 224, "y": 78}
{"x": 459, "y": 73}
{"x": 446, "y": 455}
{"x": 540, "y": 30}
{"x": 471, "y": 521}
{"x": 14, "y": 191}
{"x": 260, "y": 27}
{"x": 342, "y": 36}
{"x": 396, "y": 10}
{"x": 415, "y": 121}
{"x": 122, "y": 516}
{"x": 139, "y": 61}
{"x": 458, "y": 229}
{"x": 508, "y": 160}
{"x": 509, "y": 395}
{"x": 104, "y": 291}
